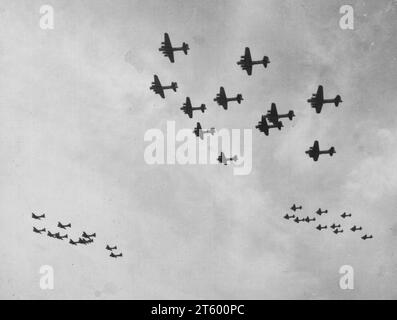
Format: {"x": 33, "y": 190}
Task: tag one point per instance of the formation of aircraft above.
{"x": 264, "y": 127}
{"x": 223, "y": 100}
{"x": 188, "y": 109}
{"x": 159, "y": 89}
{"x": 168, "y": 50}
{"x": 199, "y": 132}
{"x": 112, "y": 254}
{"x": 274, "y": 117}
{"x": 247, "y": 63}
{"x": 222, "y": 159}
{"x": 317, "y": 100}
{"x": 88, "y": 236}
{"x": 314, "y": 152}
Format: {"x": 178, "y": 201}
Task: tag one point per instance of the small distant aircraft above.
{"x": 246, "y": 62}
{"x": 320, "y": 212}
{"x": 73, "y": 242}
{"x": 264, "y": 127}
{"x": 167, "y": 49}
{"x": 110, "y": 248}
{"x": 355, "y": 228}
{"x": 319, "y": 227}
{"x": 334, "y": 226}
{"x": 85, "y": 241}
{"x": 38, "y": 230}
{"x": 88, "y": 236}
{"x": 159, "y": 89}
{"x": 51, "y": 235}
{"x": 289, "y": 217}
{"x": 38, "y": 217}
{"x": 273, "y": 116}
{"x": 294, "y": 207}
{"x": 223, "y": 100}
{"x": 188, "y": 109}
{"x": 199, "y": 132}
{"x": 297, "y": 220}
{"x": 307, "y": 219}
{"x": 58, "y": 236}
{"x": 344, "y": 215}
{"x": 317, "y": 100}
{"x": 336, "y": 231}
{"x": 116, "y": 255}
{"x": 365, "y": 237}
{"x": 314, "y": 152}
{"x": 222, "y": 159}
{"x": 64, "y": 226}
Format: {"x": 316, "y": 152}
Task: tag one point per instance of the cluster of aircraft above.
{"x": 335, "y": 228}
{"x": 84, "y": 239}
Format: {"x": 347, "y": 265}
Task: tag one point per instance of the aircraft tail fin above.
{"x": 239, "y": 98}
{"x": 202, "y": 108}
{"x": 234, "y": 158}
{"x": 265, "y": 61}
{"x": 185, "y": 47}
{"x": 338, "y": 100}
{"x": 291, "y": 114}
{"x": 212, "y": 131}
{"x": 332, "y": 151}
{"x": 174, "y": 86}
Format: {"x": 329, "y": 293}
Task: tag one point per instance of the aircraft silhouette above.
{"x": 64, "y": 226}
{"x": 344, "y": 215}
{"x": 38, "y": 217}
{"x": 223, "y": 100}
{"x": 297, "y": 220}
{"x": 188, "y": 109}
{"x": 38, "y": 230}
{"x": 264, "y": 127}
{"x": 85, "y": 241}
{"x": 307, "y": 219}
{"x": 289, "y": 217}
{"x": 73, "y": 242}
{"x": 110, "y": 248}
{"x": 355, "y": 228}
{"x": 199, "y": 132}
{"x": 246, "y": 62}
{"x": 51, "y": 235}
{"x": 294, "y": 208}
{"x": 365, "y": 237}
{"x": 320, "y": 212}
{"x": 317, "y": 100}
{"x": 336, "y": 231}
{"x": 314, "y": 152}
{"x": 319, "y": 227}
{"x": 167, "y": 49}
{"x": 116, "y": 255}
{"x": 224, "y": 160}
{"x": 59, "y": 237}
{"x": 273, "y": 116}
{"x": 334, "y": 226}
{"x": 159, "y": 89}
{"x": 88, "y": 236}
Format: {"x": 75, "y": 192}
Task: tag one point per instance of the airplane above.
{"x": 365, "y": 237}
{"x": 334, "y": 226}
{"x": 355, "y": 228}
{"x": 38, "y": 217}
{"x": 307, "y": 219}
{"x": 317, "y": 100}
{"x": 159, "y": 89}
{"x": 167, "y": 49}
{"x": 199, "y": 132}
{"x": 320, "y": 212}
{"x": 336, "y": 231}
{"x": 38, "y": 230}
{"x": 64, "y": 226}
{"x": 73, "y": 242}
{"x": 344, "y": 215}
{"x": 246, "y": 62}
{"x": 188, "y": 109}
{"x": 116, "y": 255}
{"x": 264, "y": 127}
{"x": 85, "y": 241}
{"x": 224, "y": 160}
{"x": 88, "y": 236}
{"x": 223, "y": 100}
{"x": 273, "y": 116}
{"x": 58, "y": 236}
{"x": 297, "y": 220}
{"x": 319, "y": 227}
{"x": 294, "y": 208}
{"x": 51, "y": 235}
{"x": 289, "y": 217}
{"x": 110, "y": 248}
{"x": 314, "y": 152}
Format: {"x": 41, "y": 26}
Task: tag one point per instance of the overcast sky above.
{"x": 74, "y": 108}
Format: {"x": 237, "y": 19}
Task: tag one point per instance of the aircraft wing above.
{"x": 248, "y": 61}
{"x": 156, "y": 86}
{"x": 319, "y": 100}
{"x": 188, "y": 107}
{"x": 273, "y": 112}
{"x": 315, "y": 150}
{"x": 320, "y": 93}
{"x": 222, "y": 98}
{"x": 167, "y": 48}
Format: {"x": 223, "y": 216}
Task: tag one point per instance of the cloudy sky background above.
{"x": 74, "y": 108}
